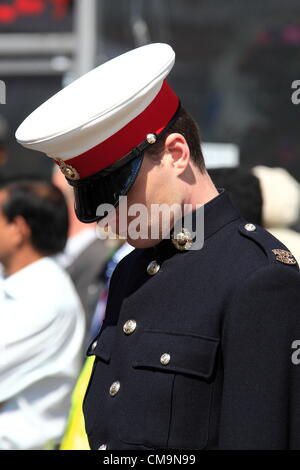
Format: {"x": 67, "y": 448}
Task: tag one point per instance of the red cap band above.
{"x": 152, "y": 120}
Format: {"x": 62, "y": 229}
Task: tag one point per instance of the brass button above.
{"x": 153, "y": 267}
{"x": 129, "y": 327}
{"x": 94, "y": 345}
{"x": 102, "y": 447}
{"x": 165, "y": 359}
{"x": 250, "y": 227}
{"x": 151, "y": 138}
{"x": 114, "y": 388}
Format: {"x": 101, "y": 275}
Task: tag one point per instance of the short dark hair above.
{"x": 43, "y": 207}
{"x": 185, "y": 125}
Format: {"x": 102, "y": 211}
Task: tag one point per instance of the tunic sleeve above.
{"x": 261, "y": 393}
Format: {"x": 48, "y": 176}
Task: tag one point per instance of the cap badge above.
{"x": 69, "y": 171}
{"x": 151, "y": 138}
{"x": 182, "y": 240}
{"x": 284, "y": 256}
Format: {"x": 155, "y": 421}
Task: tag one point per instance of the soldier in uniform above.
{"x": 199, "y": 347}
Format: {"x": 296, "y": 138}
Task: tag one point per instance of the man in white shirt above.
{"x": 41, "y": 318}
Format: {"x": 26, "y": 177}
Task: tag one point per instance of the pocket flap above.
{"x": 102, "y": 344}
{"x": 184, "y": 353}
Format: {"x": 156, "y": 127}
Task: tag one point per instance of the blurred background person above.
{"x": 244, "y": 189}
{"x": 84, "y": 256}
{"x": 266, "y": 196}
{"x": 42, "y": 320}
{"x": 281, "y": 205}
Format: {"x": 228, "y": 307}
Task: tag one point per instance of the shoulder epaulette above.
{"x": 276, "y": 251}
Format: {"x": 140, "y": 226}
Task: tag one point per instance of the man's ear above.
{"x": 22, "y": 229}
{"x": 176, "y": 146}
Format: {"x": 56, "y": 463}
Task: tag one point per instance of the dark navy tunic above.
{"x": 207, "y": 360}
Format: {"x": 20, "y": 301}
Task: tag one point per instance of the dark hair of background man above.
{"x": 244, "y": 189}
{"x": 43, "y": 207}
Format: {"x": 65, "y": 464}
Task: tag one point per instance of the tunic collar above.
{"x": 218, "y": 212}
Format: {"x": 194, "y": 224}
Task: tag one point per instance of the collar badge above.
{"x": 182, "y": 240}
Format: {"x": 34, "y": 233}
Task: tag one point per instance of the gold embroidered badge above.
{"x": 182, "y": 240}
{"x": 284, "y": 256}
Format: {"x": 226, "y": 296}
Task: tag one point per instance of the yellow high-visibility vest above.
{"x": 75, "y": 437}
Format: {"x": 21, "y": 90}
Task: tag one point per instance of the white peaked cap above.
{"x": 97, "y": 119}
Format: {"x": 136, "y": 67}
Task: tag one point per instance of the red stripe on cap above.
{"x": 153, "y": 119}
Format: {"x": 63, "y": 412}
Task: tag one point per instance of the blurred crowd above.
{"x": 54, "y": 285}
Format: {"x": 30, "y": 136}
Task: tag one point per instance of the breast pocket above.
{"x": 171, "y": 390}
{"x": 101, "y": 348}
